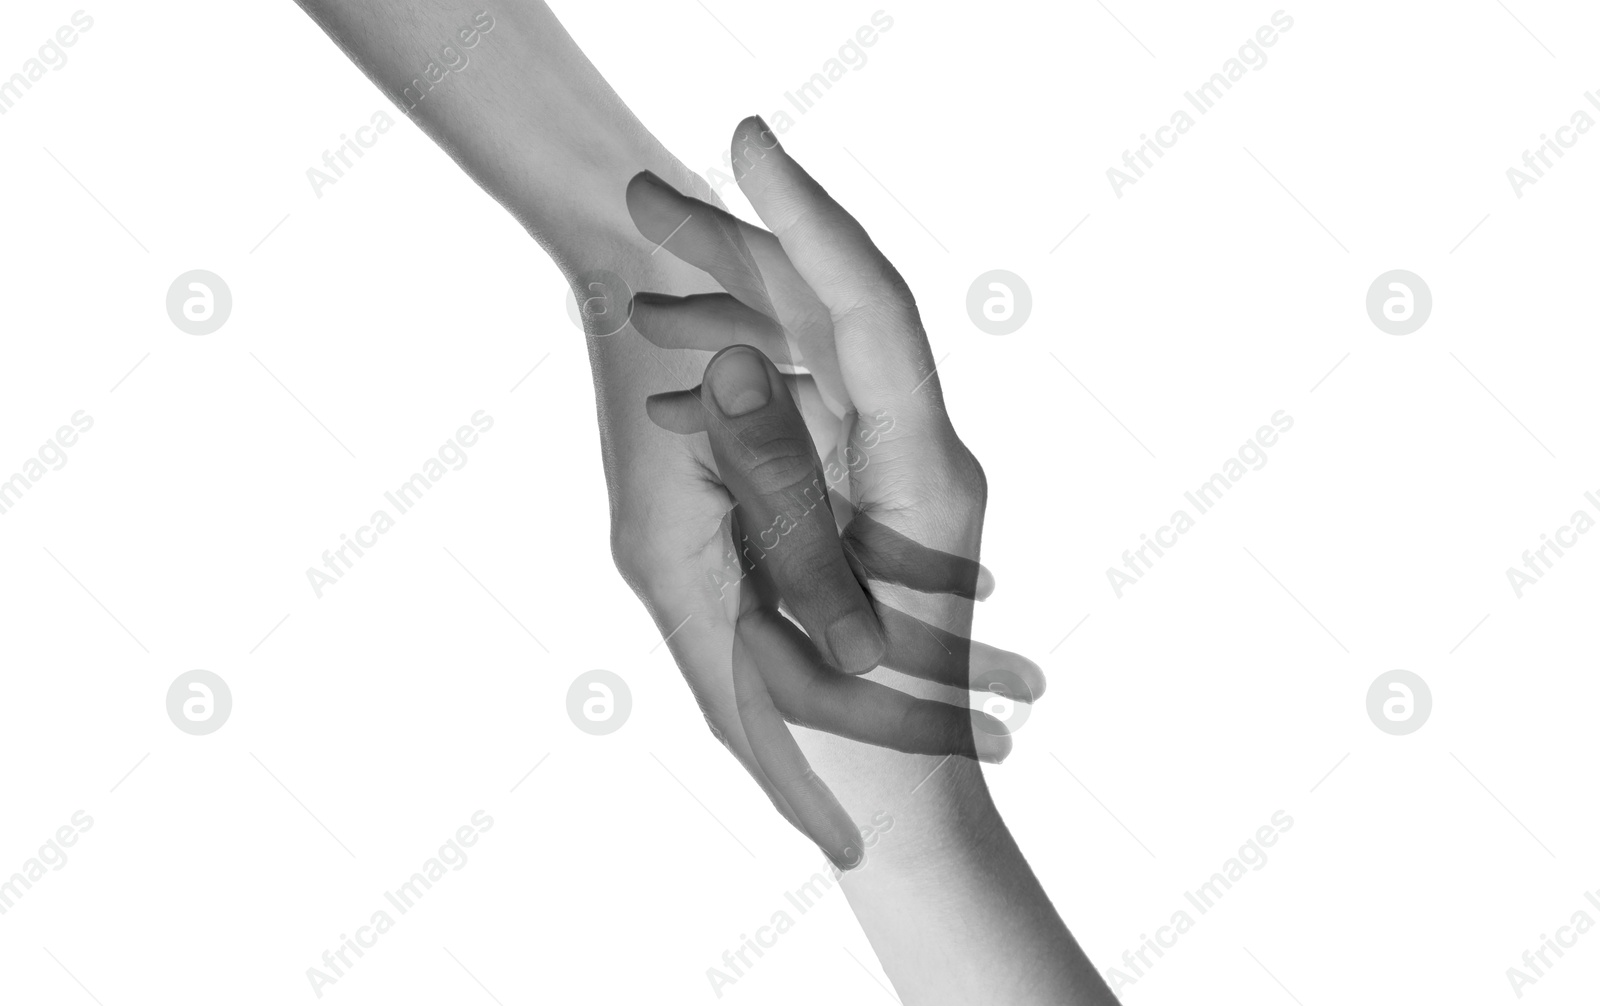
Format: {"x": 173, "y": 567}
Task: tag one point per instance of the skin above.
{"x": 947, "y": 899}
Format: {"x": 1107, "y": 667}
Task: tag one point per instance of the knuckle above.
{"x": 748, "y": 706}
{"x": 884, "y": 304}
{"x": 896, "y": 289}
{"x": 908, "y": 725}
{"x": 784, "y": 466}
{"x": 751, "y": 706}
{"x": 716, "y": 731}
{"x": 633, "y": 552}
{"x": 974, "y": 482}
{"x": 965, "y": 486}
{"x": 797, "y": 778}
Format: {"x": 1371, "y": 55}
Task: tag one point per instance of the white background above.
{"x": 1224, "y": 286}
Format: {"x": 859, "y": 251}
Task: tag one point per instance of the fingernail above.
{"x": 857, "y": 642}
{"x": 1016, "y": 678}
{"x": 647, "y": 300}
{"x": 738, "y": 381}
{"x": 850, "y": 858}
{"x": 654, "y": 179}
{"x": 655, "y": 299}
{"x": 991, "y": 740}
{"x": 766, "y": 132}
{"x": 1032, "y": 677}
{"x": 985, "y": 585}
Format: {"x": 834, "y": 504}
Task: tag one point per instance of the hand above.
{"x": 953, "y": 911}
{"x": 817, "y": 291}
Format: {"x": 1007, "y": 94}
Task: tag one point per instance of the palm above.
{"x": 908, "y": 493}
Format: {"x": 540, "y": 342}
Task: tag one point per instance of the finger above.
{"x": 817, "y": 812}
{"x": 879, "y": 552}
{"x": 918, "y": 648}
{"x": 708, "y": 321}
{"x": 828, "y": 430}
{"x": 680, "y": 411}
{"x": 685, "y": 412}
{"x": 700, "y": 234}
{"x": 699, "y": 632}
{"x": 882, "y": 350}
{"x": 750, "y": 264}
{"x": 927, "y": 651}
{"x": 748, "y": 261}
{"x": 808, "y": 693}
{"x": 765, "y": 457}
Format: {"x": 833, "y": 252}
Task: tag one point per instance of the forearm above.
{"x": 529, "y": 118}
{"x": 947, "y": 900}
{"x": 953, "y": 910}
{"x": 507, "y": 93}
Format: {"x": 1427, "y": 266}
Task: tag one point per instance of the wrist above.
{"x": 919, "y": 815}
{"x": 941, "y": 827}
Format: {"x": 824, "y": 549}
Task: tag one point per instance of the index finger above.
{"x": 878, "y": 335}
{"x": 765, "y": 457}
